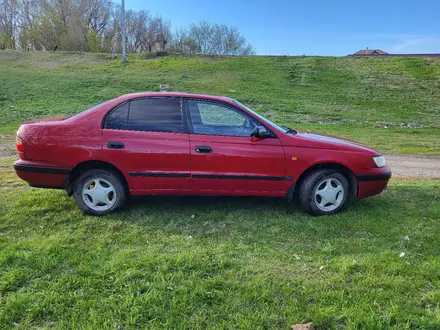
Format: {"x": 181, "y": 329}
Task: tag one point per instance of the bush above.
{"x": 148, "y": 56}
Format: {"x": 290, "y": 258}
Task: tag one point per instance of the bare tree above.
{"x": 146, "y": 33}
{"x": 137, "y": 23}
{"x": 94, "y": 25}
{"x": 163, "y": 36}
{"x": 97, "y": 14}
{"x": 8, "y": 23}
{"x": 27, "y": 20}
{"x": 97, "y": 19}
{"x": 180, "y": 42}
{"x": 218, "y": 39}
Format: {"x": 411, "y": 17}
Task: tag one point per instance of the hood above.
{"x": 313, "y": 140}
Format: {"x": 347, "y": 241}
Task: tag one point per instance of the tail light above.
{"x": 20, "y": 148}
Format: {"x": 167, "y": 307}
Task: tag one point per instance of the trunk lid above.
{"x": 44, "y": 120}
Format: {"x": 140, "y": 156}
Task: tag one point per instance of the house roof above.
{"x": 380, "y": 52}
{"x": 370, "y": 52}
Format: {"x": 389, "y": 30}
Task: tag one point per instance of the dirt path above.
{"x": 414, "y": 166}
{"x": 6, "y": 146}
{"x": 401, "y": 165}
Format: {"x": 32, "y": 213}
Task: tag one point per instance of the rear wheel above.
{"x": 98, "y": 192}
{"x": 324, "y": 192}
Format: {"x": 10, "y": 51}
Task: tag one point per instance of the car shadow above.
{"x": 223, "y": 203}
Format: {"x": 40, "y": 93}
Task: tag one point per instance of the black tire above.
{"x": 308, "y": 185}
{"x": 114, "y": 179}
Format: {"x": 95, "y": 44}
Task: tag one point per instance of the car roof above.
{"x": 174, "y": 94}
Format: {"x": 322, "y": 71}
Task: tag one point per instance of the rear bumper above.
{"x": 373, "y": 182}
{"x": 42, "y": 175}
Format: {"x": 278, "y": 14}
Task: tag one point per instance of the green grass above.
{"x": 214, "y": 263}
{"x": 352, "y": 97}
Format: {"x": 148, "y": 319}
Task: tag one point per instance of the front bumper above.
{"x": 373, "y": 182}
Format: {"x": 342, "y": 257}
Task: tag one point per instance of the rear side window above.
{"x": 118, "y": 118}
{"x": 149, "y": 114}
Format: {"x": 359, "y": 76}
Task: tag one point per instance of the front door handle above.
{"x": 115, "y": 145}
{"x": 203, "y": 149}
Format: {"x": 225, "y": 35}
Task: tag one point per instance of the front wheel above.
{"x": 324, "y": 192}
{"x": 98, "y": 192}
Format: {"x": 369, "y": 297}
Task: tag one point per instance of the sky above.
{"x": 314, "y": 27}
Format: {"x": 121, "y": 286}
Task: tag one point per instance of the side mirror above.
{"x": 260, "y": 132}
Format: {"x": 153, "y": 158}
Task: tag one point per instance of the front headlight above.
{"x": 379, "y": 161}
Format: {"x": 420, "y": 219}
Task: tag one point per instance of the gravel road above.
{"x": 414, "y": 166}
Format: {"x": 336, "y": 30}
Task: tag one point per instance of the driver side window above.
{"x": 217, "y": 119}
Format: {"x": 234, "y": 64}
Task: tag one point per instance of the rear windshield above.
{"x": 87, "y": 110}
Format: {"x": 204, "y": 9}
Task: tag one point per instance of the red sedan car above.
{"x": 178, "y": 143}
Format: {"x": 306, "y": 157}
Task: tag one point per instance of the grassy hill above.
{"x": 392, "y": 104}
{"x": 226, "y": 263}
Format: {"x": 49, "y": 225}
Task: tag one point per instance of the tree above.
{"x": 27, "y": 17}
{"x": 8, "y": 23}
{"x": 97, "y": 16}
{"x": 218, "y": 39}
{"x": 94, "y": 25}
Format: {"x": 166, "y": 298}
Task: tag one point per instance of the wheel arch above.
{"x": 89, "y": 165}
{"x": 352, "y": 181}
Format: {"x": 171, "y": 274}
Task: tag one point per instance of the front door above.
{"x": 147, "y": 139}
{"x": 226, "y": 159}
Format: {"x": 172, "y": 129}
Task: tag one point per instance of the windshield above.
{"x": 261, "y": 117}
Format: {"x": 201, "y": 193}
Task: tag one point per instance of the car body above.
{"x": 179, "y": 143}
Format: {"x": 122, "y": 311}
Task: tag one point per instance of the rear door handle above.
{"x": 115, "y": 145}
{"x": 203, "y": 149}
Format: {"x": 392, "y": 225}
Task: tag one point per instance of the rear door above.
{"x": 224, "y": 156}
{"x": 147, "y": 139}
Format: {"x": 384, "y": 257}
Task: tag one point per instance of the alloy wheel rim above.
{"x": 329, "y": 194}
{"x": 99, "y": 194}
